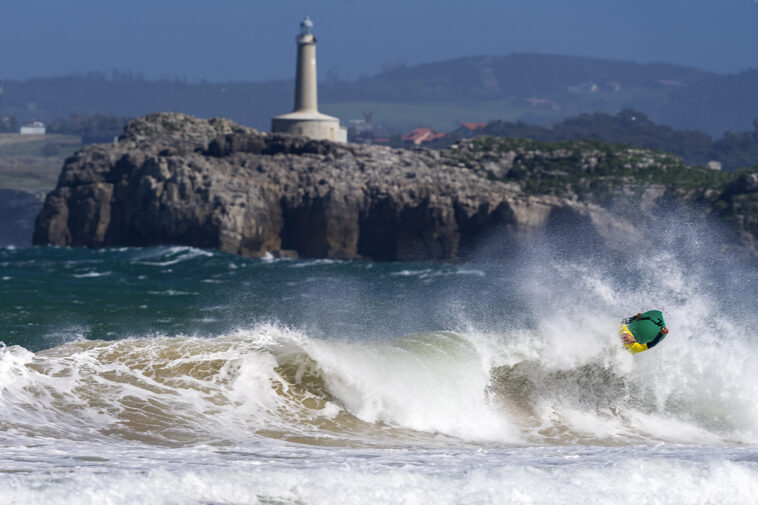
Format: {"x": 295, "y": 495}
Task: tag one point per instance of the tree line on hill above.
{"x": 682, "y": 97}
{"x": 123, "y": 94}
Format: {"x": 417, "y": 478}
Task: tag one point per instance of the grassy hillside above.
{"x": 619, "y": 177}
{"x": 615, "y": 176}
{"x": 32, "y": 163}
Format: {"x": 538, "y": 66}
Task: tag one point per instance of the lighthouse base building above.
{"x": 313, "y": 125}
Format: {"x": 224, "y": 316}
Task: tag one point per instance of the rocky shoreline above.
{"x": 175, "y": 179}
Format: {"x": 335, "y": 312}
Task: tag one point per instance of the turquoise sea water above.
{"x": 181, "y": 376}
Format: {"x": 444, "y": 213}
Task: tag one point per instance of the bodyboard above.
{"x": 647, "y": 327}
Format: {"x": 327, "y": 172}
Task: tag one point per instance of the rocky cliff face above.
{"x": 174, "y": 179}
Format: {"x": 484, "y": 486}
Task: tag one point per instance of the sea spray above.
{"x": 279, "y": 381}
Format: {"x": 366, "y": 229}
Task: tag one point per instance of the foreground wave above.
{"x": 181, "y": 376}
{"x": 429, "y": 389}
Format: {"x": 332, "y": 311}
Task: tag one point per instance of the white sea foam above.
{"x": 411, "y": 273}
{"x": 167, "y": 256}
{"x": 91, "y": 274}
{"x": 309, "y": 263}
{"x": 171, "y": 292}
{"x": 316, "y": 476}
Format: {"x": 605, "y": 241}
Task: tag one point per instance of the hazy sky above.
{"x": 255, "y": 40}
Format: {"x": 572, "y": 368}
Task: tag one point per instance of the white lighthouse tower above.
{"x": 306, "y": 120}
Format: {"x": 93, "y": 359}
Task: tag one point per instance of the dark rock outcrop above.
{"x": 174, "y": 179}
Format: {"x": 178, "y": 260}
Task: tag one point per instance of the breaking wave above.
{"x": 179, "y": 376}
{"x": 433, "y": 388}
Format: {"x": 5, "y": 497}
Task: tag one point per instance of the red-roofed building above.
{"x": 420, "y": 135}
{"x": 473, "y": 126}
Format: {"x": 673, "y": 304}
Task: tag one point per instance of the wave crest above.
{"x": 427, "y": 388}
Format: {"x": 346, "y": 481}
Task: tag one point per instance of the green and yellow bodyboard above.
{"x": 648, "y": 326}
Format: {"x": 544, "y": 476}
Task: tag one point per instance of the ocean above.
{"x": 175, "y": 375}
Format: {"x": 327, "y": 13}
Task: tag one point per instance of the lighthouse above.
{"x": 305, "y": 120}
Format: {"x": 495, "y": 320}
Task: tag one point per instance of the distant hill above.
{"x": 516, "y": 75}
{"x": 715, "y": 104}
{"x": 540, "y": 89}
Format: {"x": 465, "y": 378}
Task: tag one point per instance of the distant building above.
{"x": 306, "y": 120}
{"x": 35, "y": 128}
{"x": 473, "y": 126}
{"x": 421, "y": 135}
{"x": 715, "y": 165}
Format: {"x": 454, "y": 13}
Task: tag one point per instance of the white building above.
{"x": 35, "y": 128}
{"x": 306, "y": 120}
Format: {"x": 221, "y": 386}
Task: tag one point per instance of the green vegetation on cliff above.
{"x": 603, "y": 173}
{"x": 632, "y": 128}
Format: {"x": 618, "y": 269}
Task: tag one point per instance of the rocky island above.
{"x": 176, "y": 179}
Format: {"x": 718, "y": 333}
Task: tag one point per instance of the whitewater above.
{"x": 175, "y": 375}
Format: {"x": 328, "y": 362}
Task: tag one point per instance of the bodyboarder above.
{"x": 643, "y": 331}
